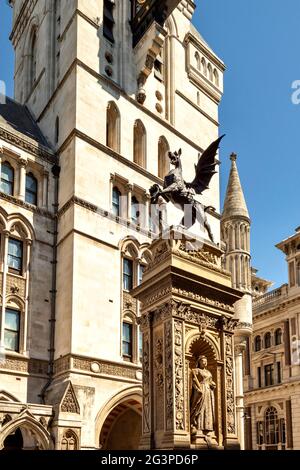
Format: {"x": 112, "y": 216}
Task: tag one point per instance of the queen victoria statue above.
{"x": 202, "y": 401}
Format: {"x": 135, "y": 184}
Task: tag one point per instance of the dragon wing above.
{"x": 206, "y": 167}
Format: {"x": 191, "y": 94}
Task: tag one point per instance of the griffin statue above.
{"x": 182, "y": 194}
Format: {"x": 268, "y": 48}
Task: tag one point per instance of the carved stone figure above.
{"x": 202, "y": 399}
{"x": 183, "y": 194}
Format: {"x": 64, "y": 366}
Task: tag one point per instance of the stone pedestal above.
{"x": 187, "y": 308}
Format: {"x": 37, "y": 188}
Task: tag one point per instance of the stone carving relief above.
{"x": 229, "y": 387}
{"x": 159, "y": 378}
{"x": 70, "y": 403}
{"x": 169, "y": 375}
{"x": 178, "y": 363}
{"x": 146, "y": 383}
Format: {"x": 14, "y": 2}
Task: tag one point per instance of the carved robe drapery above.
{"x": 202, "y": 400}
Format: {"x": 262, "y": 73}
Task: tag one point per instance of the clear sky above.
{"x": 259, "y": 42}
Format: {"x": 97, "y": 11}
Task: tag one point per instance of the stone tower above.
{"x": 235, "y": 227}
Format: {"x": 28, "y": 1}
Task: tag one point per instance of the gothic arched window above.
{"x": 139, "y": 144}
{"x": 135, "y": 213}
{"x": 268, "y": 340}
{"x": 216, "y": 77}
{"x": 271, "y": 426}
{"x": 33, "y": 59}
{"x": 7, "y": 179}
{"x": 257, "y": 343}
{"x": 163, "y": 159}
{"x": 210, "y": 72}
{"x": 113, "y": 127}
{"x": 198, "y": 61}
{"x": 116, "y": 202}
{"x": 278, "y": 336}
{"x": 204, "y": 66}
{"x": 31, "y": 189}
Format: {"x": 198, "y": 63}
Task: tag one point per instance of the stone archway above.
{"x": 122, "y": 427}
{"x": 24, "y": 433}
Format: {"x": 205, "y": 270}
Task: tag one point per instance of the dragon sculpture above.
{"x": 182, "y": 194}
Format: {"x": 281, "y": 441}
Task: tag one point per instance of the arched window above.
{"x": 31, "y": 189}
{"x": 108, "y": 20}
{"x": 57, "y": 130}
{"x": 257, "y": 343}
{"x": 268, "y": 340}
{"x": 216, "y": 77}
{"x": 127, "y": 340}
{"x": 113, "y": 127}
{"x": 15, "y": 256}
{"x": 7, "y": 179}
{"x": 33, "y": 59}
{"x": 12, "y": 330}
{"x": 116, "y": 202}
{"x": 139, "y": 144}
{"x": 135, "y": 212}
{"x": 69, "y": 441}
{"x": 204, "y": 66}
{"x": 198, "y": 61}
{"x": 210, "y": 72}
{"x": 163, "y": 159}
{"x": 271, "y": 426}
{"x": 278, "y": 336}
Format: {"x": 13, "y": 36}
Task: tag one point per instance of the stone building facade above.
{"x": 272, "y": 382}
{"x": 99, "y": 102}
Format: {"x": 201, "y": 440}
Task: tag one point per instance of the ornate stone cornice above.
{"x": 202, "y": 299}
{"x": 25, "y": 205}
{"x": 97, "y": 367}
{"x": 30, "y": 147}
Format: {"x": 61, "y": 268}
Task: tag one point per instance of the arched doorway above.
{"x": 122, "y": 428}
{"x": 14, "y": 441}
{"x": 24, "y": 433}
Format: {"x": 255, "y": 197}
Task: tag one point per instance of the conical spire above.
{"x": 235, "y": 204}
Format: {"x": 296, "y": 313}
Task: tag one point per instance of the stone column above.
{"x": 22, "y": 178}
{"x": 129, "y": 189}
{"x": 239, "y": 392}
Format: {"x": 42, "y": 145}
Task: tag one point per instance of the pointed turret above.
{"x": 235, "y": 204}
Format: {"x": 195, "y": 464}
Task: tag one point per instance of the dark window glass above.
{"x": 142, "y": 268}
{"x": 269, "y": 375}
{"x": 278, "y": 372}
{"x": 278, "y": 336}
{"x": 267, "y": 340}
{"x": 15, "y": 255}
{"x": 7, "y": 179}
{"x": 257, "y": 343}
{"x": 135, "y": 213}
{"x": 12, "y": 330}
{"x": 259, "y": 377}
{"x": 127, "y": 274}
{"x": 108, "y": 20}
{"x": 127, "y": 340}
{"x": 260, "y": 432}
{"x": 31, "y": 189}
{"x": 116, "y": 202}
{"x": 272, "y": 426}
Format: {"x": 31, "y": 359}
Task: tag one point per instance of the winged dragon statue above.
{"x": 183, "y": 194}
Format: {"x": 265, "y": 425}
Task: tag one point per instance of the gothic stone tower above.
{"x": 236, "y": 235}
{"x": 112, "y": 85}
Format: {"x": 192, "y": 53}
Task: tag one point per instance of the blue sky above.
{"x": 259, "y": 42}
